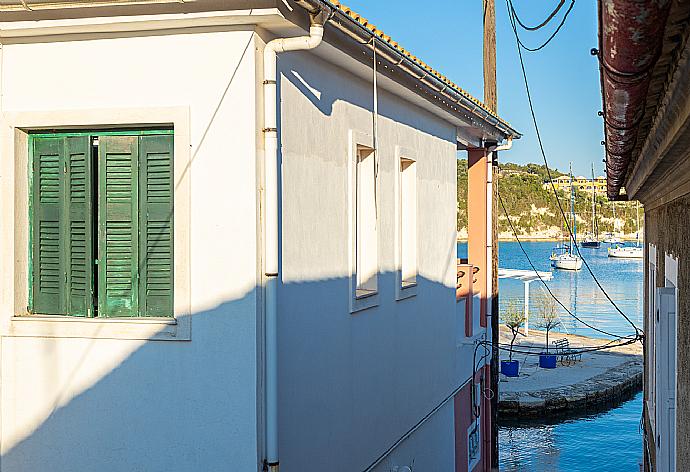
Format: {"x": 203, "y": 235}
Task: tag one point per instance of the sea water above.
{"x": 622, "y": 279}
{"x": 609, "y": 441}
{"x": 605, "y": 442}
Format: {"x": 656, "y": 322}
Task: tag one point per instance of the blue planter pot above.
{"x": 547, "y": 361}
{"x": 510, "y": 368}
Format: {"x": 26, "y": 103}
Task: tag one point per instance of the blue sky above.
{"x": 564, "y": 77}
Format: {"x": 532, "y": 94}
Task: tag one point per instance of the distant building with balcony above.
{"x": 582, "y": 184}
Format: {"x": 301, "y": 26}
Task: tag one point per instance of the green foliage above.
{"x": 513, "y": 314}
{"x": 533, "y": 207}
{"x": 462, "y": 193}
{"x": 513, "y": 317}
{"x": 547, "y": 311}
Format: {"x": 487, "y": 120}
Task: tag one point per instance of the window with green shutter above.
{"x": 102, "y": 224}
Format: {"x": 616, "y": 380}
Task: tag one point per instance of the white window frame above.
{"x": 406, "y": 287}
{"x": 14, "y": 195}
{"x": 361, "y": 299}
{"x": 651, "y": 334}
{"x": 666, "y": 407}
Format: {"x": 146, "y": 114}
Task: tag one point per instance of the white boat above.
{"x": 626, "y": 252}
{"x": 567, "y": 262}
{"x": 562, "y": 257}
{"x": 558, "y": 250}
{"x": 612, "y": 240}
{"x": 629, "y": 252}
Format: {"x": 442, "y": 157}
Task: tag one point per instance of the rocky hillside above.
{"x": 534, "y": 211}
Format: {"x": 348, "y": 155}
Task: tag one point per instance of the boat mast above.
{"x": 614, "y": 218}
{"x": 572, "y": 208}
{"x": 637, "y": 218}
{"x": 594, "y": 192}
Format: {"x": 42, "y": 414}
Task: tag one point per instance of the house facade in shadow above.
{"x": 646, "y": 111}
{"x": 229, "y": 243}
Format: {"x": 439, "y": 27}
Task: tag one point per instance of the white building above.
{"x": 181, "y": 292}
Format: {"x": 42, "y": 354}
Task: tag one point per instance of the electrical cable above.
{"x": 583, "y": 350}
{"x": 639, "y": 333}
{"x": 580, "y": 350}
{"x": 414, "y": 428}
{"x": 543, "y": 23}
{"x": 513, "y": 15}
{"x": 548, "y": 289}
{"x": 476, "y": 409}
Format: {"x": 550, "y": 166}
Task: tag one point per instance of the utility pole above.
{"x": 490, "y": 94}
{"x": 491, "y": 101}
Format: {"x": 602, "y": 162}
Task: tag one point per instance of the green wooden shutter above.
{"x": 78, "y": 226}
{"x": 156, "y": 225}
{"x": 49, "y": 258}
{"x": 118, "y": 226}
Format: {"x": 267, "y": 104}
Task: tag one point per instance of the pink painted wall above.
{"x": 462, "y": 404}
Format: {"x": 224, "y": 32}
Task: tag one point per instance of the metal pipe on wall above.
{"x": 271, "y": 268}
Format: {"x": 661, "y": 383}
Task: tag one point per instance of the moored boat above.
{"x": 562, "y": 256}
{"x": 590, "y": 243}
{"x": 629, "y": 252}
{"x": 567, "y": 262}
{"x": 557, "y": 250}
{"x": 592, "y": 239}
{"x": 626, "y": 252}
{"x": 611, "y": 239}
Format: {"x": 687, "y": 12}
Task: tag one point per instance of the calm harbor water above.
{"x": 622, "y": 279}
{"x": 608, "y": 441}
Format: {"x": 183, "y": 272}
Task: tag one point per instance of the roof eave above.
{"x": 427, "y": 79}
{"x": 630, "y": 39}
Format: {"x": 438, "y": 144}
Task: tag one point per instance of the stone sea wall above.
{"x": 606, "y": 389}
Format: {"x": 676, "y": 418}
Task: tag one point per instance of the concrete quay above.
{"x": 600, "y": 379}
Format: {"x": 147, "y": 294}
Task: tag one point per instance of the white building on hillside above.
{"x": 223, "y": 251}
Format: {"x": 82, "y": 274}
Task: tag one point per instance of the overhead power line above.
{"x": 638, "y": 331}
{"x": 538, "y": 350}
{"x": 514, "y": 19}
{"x": 543, "y": 23}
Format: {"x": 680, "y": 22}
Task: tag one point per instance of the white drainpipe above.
{"x": 271, "y": 51}
{"x": 503, "y": 147}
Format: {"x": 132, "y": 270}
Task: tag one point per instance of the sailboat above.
{"x": 611, "y": 238}
{"x": 629, "y": 252}
{"x": 564, "y": 257}
{"x": 561, "y": 246}
{"x": 592, "y": 240}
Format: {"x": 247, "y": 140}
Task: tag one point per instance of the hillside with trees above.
{"x": 533, "y": 208}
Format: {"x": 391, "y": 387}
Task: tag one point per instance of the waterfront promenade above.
{"x": 599, "y": 379}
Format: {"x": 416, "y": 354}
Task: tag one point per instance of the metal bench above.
{"x": 566, "y": 355}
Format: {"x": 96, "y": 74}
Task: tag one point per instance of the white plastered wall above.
{"x": 94, "y": 396}
{"x": 355, "y": 377}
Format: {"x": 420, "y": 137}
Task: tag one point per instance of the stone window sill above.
{"x": 43, "y": 326}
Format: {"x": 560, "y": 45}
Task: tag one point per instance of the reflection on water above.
{"x": 622, "y": 279}
{"x": 608, "y": 441}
